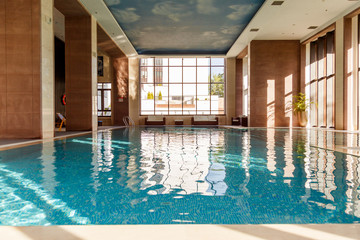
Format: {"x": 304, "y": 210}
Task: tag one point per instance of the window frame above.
{"x": 182, "y": 83}
{"x": 103, "y": 90}
{"x": 317, "y": 77}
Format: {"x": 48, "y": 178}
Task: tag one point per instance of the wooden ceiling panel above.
{"x": 70, "y": 8}
{"x": 106, "y": 44}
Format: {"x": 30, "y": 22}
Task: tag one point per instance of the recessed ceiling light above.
{"x": 254, "y": 30}
{"x": 277, "y": 3}
{"x": 313, "y": 27}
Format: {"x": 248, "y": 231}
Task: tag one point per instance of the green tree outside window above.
{"x": 217, "y": 89}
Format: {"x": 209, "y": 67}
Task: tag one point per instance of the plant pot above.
{"x": 302, "y": 118}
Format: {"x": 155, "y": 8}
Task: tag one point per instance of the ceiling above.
{"x": 177, "y": 27}
{"x": 183, "y": 27}
{"x": 291, "y": 20}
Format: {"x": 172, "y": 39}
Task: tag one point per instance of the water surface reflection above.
{"x": 182, "y": 175}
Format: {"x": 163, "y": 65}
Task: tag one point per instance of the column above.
{"x": 81, "y": 73}
{"x": 134, "y": 97}
{"x": 26, "y": 69}
{"x": 47, "y": 70}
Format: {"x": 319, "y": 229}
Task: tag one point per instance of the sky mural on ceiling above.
{"x": 183, "y": 26}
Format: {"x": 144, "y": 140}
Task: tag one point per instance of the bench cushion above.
{"x": 155, "y": 118}
{"x": 205, "y": 118}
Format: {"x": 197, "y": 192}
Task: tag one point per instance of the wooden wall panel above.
{"x": 78, "y": 85}
{"x": 274, "y": 67}
{"x": 239, "y": 88}
{"x": 20, "y": 69}
{"x": 3, "y": 87}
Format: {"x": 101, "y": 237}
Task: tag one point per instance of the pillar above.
{"x": 47, "y": 70}
{"x": 81, "y": 73}
{"x": 121, "y": 90}
{"x": 230, "y": 89}
{"x": 26, "y": 69}
{"x": 239, "y": 88}
{"x": 134, "y": 96}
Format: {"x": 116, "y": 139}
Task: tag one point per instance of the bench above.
{"x": 155, "y": 120}
{"x": 204, "y": 120}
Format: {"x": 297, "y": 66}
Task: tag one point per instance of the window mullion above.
{"x": 210, "y": 86}
{"x": 154, "y": 86}
{"x": 182, "y": 86}
{"x": 168, "y": 67}
{"x": 196, "y": 86}
{"x": 201, "y": 76}
{"x": 102, "y": 100}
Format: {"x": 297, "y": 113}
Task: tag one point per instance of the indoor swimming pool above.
{"x": 173, "y": 175}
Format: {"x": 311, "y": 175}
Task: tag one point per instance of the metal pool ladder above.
{"x": 128, "y": 121}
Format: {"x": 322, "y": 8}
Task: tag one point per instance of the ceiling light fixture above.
{"x": 254, "y": 30}
{"x": 313, "y": 27}
{"x": 277, "y": 3}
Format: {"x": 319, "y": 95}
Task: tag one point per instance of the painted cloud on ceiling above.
{"x": 183, "y": 26}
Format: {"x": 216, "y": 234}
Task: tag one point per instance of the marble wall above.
{"x": 47, "y": 70}
{"x": 121, "y": 90}
{"x": 339, "y": 74}
{"x": 134, "y": 98}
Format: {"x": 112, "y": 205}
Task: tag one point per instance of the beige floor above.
{"x": 184, "y": 232}
{"x": 15, "y": 143}
{"x": 179, "y": 232}
{"x": 352, "y": 136}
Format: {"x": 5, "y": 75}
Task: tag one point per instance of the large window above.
{"x": 358, "y": 76}
{"x": 104, "y": 99}
{"x": 322, "y": 74}
{"x": 182, "y": 86}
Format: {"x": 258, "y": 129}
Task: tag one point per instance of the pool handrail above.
{"x": 128, "y": 121}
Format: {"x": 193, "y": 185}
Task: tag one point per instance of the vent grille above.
{"x": 277, "y": 3}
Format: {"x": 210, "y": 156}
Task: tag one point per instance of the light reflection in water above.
{"x": 288, "y": 152}
{"x": 270, "y": 145}
{"x": 246, "y": 162}
{"x": 183, "y": 175}
{"x": 48, "y": 160}
{"x": 189, "y": 161}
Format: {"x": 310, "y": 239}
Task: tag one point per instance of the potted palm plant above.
{"x": 300, "y": 105}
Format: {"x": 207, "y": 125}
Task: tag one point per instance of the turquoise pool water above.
{"x": 180, "y": 175}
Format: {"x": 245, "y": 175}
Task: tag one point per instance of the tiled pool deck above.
{"x": 184, "y": 232}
